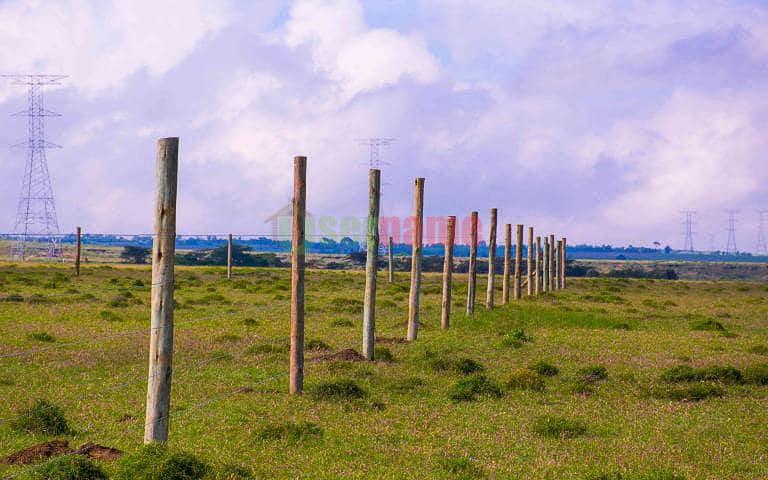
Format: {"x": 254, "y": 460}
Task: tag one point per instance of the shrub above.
{"x": 118, "y": 301}
{"x": 182, "y": 466}
{"x": 468, "y": 389}
{"x": 251, "y": 322}
{"x": 67, "y": 467}
{"x": 543, "y": 368}
{"x": 41, "y": 337}
{"x": 462, "y": 365}
{"x": 686, "y": 373}
{"x": 593, "y": 373}
{"x": 109, "y": 316}
{"x": 340, "y": 322}
{"x": 339, "y": 390}
{"x": 155, "y": 462}
{"x": 757, "y": 374}
{"x": 290, "y": 431}
{"x": 462, "y": 467}
{"x": 316, "y": 345}
{"x": 559, "y": 427}
{"x": 516, "y": 339}
{"x": 233, "y": 472}
{"x": 694, "y": 392}
{"x": 383, "y": 354}
{"x": 42, "y": 417}
{"x": 708, "y": 325}
{"x": 525, "y": 379}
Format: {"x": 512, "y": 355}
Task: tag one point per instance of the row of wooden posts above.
{"x": 545, "y": 272}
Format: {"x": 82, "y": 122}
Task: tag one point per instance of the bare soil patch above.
{"x": 346, "y": 355}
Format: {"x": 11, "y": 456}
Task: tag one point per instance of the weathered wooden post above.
{"x": 507, "y": 255}
{"x": 450, "y": 236}
{"x": 391, "y": 262}
{"x": 519, "y": 263}
{"x": 558, "y": 263}
{"x": 229, "y": 257}
{"x": 371, "y": 261}
{"x": 551, "y": 262}
{"x": 491, "y": 284}
{"x": 77, "y": 253}
{"x": 418, "y": 227}
{"x": 296, "y": 368}
{"x": 539, "y": 263}
{"x": 472, "y": 272}
{"x": 545, "y": 286}
{"x": 565, "y": 264}
{"x": 161, "y": 315}
{"x": 529, "y": 272}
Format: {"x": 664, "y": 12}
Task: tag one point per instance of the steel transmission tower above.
{"x": 690, "y": 221}
{"x": 36, "y": 214}
{"x": 730, "y": 246}
{"x": 762, "y": 244}
{"x": 374, "y": 144}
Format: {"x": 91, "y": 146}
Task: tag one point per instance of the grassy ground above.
{"x": 230, "y": 405}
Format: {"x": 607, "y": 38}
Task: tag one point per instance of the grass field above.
{"x": 481, "y": 400}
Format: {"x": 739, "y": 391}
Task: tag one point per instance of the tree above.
{"x": 131, "y": 254}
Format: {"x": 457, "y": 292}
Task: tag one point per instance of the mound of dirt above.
{"x": 346, "y": 355}
{"x": 37, "y": 453}
{"x": 99, "y": 452}
{"x": 390, "y": 340}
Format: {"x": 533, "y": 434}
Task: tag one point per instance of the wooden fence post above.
{"x": 558, "y": 264}
{"x": 391, "y": 262}
{"x": 491, "y": 284}
{"x": 519, "y": 263}
{"x": 551, "y": 262}
{"x": 538, "y": 265}
{"x": 77, "y": 253}
{"x": 371, "y": 264}
{"x": 229, "y": 257}
{"x": 507, "y": 255}
{"x": 450, "y": 236}
{"x": 472, "y": 272}
{"x": 161, "y": 323}
{"x": 296, "y": 368}
{"x": 418, "y": 226}
{"x": 565, "y": 264}
{"x": 546, "y": 265}
{"x": 529, "y": 272}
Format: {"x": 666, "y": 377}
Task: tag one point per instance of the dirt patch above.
{"x": 390, "y": 340}
{"x": 98, "y": 452}
{"x": 244, "y": 390}
{"x": 37, "y": 453}
{"x": 346, "y": 355}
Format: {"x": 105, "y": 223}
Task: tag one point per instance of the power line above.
{"x": 689, "y": 222}
{"x": 36, "y": 213}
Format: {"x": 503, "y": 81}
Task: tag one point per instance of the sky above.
{"x": 598, "y": 120}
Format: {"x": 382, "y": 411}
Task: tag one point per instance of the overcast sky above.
{"x": 599, "y": 120}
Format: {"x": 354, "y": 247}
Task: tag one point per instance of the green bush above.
{"x": 383, "y": 354}
{"x": 42, "y": 417}
{"x": 559, "y": 427}
{"x": 316, "y": 345}
{"x": 693, "y": 392}
{"x": 462, "y": 365}
{"x": 67, "y": 467}
{"x": 470, "y": 388}
{"x": 462, "y": 467}
{"x": 708, "y": 325}
{"x": 109, "y": 316}
{"x": 686, "y": 373}
{"x": 156, "y": 462}
{"x": 290, "y": 431}
{"x": 543, "y": 368}
{"x": 757, "y": 374}
{"x": 42, "y": 337}
{"x": 593, "y": 373}
{"x": 339, "y": 390}
{"x": 525, "y": 379}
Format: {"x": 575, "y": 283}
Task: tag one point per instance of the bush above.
{"x": 67, "y": 467}
{"x": 468, "y": 389}
{"x": 516, "y": 339}
{"x": 525, "y": 379}
{"x": 593, "y": 373}
{"x": 686, "y": 373}
{"x": 462, "y": 467}
{"x": 383, "y": 354}
{"x": 42, "y": 417}
{"x": 109, "y": 316}
{"x": 155, "y": 462}
{"x": 316, "y": 345}
{"x": 694, "y": 392}
{"x": 543, "y": 368}
{"x": 42, "y": 337}
{"x": 339, "y": 390}
{"x": 708, "y": 325}
{"x": 757, "y": 374}
{"x": 559, "y": 427}
{"x": 233, "y": 472}
{"x": 463, "y": 365}
{"x": 290, "y": 431}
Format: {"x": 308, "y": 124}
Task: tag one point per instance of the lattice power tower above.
{"x": 36, "y": 218}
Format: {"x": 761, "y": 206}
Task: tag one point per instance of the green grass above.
{"x": 462, "y": 403}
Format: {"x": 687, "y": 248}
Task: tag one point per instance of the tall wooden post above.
{"x": 539, "y": 263}
{"x": 546, "y": 284}
{"x": 565, "y": 264}
{"x": 78, "y": 249}
{"x": 371, "y": 261}
{"x": 491, "y": 284}
{"x": 558, "y": 263}
{"x": 450, "y": 236}
{"x": 161, "y": 316}
{"x": 551, "y": 262}
{"x": 519, "y": 262}
{"x": 418, "y": 226}
{"x": 529, "y": 272}
{"x": 229, "y": 257}
{"x": 296, "y": 368}
{"x": 391, "y": 262}
{"x": 472, "y": 272}
{"x": 507, "y": 254}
